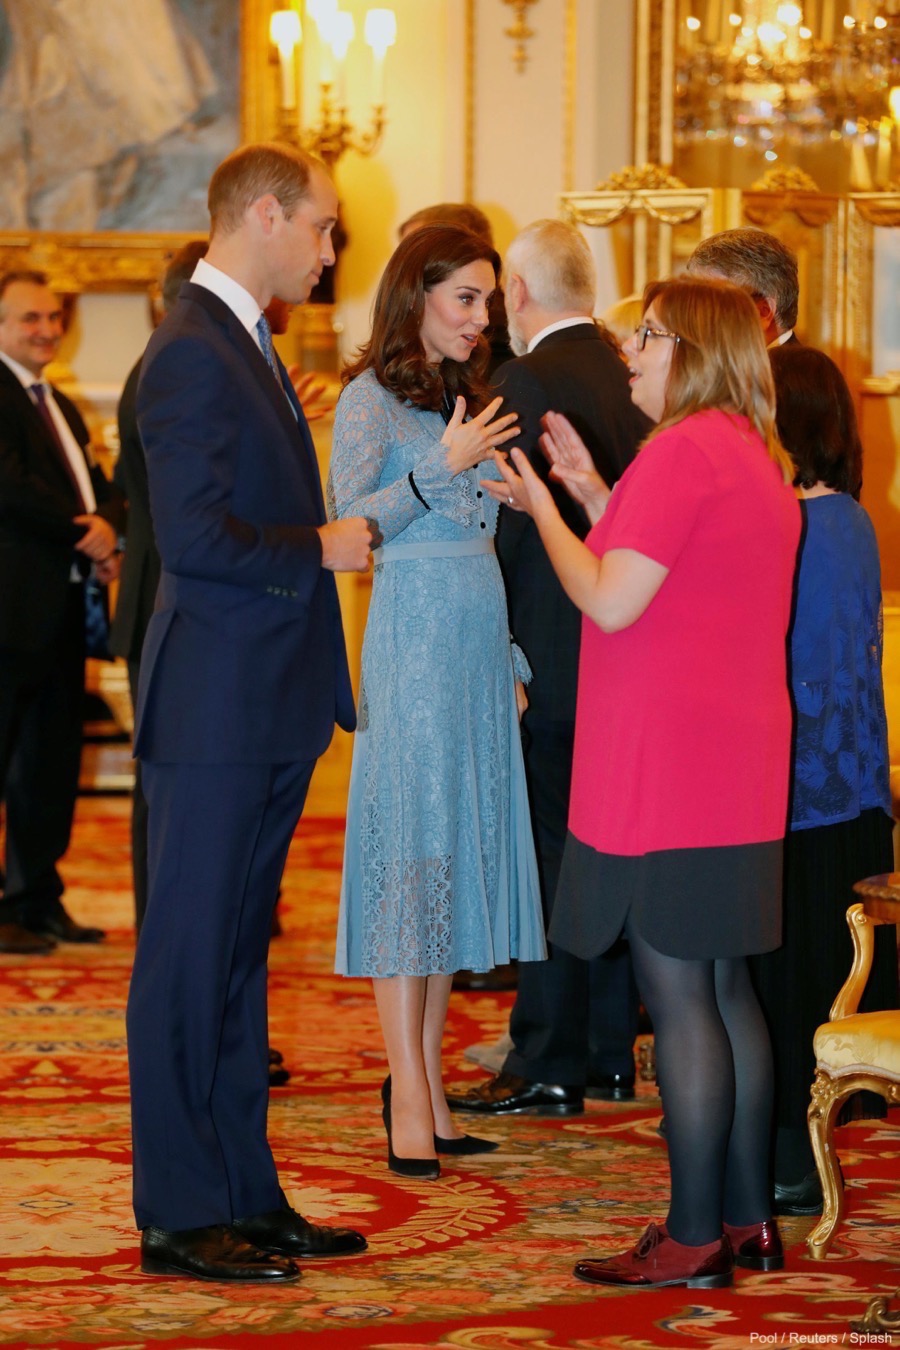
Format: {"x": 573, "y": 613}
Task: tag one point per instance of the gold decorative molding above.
{"x": 520, "y": 32}
{"x": 786, "y": 180}
{"x": 634, "y": 179}
{"x": 91, "y": 262}
{"x": 764, "y": 207}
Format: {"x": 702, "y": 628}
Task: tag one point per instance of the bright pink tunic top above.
{"x": 684, "y": 723}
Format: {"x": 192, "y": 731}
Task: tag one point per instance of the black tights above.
{"x": 715, "y": 1071}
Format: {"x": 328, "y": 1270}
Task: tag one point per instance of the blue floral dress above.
{"x": 439, "y": 865}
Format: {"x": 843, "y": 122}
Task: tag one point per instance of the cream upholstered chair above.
{"x": 853, "y": 1050}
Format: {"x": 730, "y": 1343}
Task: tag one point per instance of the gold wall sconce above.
{"x": 333, "y": 133}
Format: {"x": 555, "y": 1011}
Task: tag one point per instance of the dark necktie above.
{"x": 40, "y": 396}
{"x": 268, "y": 350}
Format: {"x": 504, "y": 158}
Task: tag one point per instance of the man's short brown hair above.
{"x": 254, "y": 171}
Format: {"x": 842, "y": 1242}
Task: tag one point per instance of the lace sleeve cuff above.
{"x": 521, "y": 668}
{"x": 452, "y": 497}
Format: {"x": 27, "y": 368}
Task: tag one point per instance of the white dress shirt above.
{"x": 231, "y": 293}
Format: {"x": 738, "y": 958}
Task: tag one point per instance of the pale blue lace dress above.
{"x": 439, "y": 865}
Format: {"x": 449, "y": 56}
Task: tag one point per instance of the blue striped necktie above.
{"x": 264, "y": 333}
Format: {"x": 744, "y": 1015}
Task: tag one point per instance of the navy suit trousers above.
{"x": 197, "y": 1018}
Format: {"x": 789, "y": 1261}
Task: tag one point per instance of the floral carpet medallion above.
{"x": 479, "y": 1260}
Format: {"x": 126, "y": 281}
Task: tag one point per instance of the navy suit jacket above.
{"x": 244, "y": 659}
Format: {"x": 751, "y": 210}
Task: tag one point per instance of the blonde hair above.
{"x": 622, "y": 318}
{"x": 721, "y": 360}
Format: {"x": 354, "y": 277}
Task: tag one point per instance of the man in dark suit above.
{"x": 761, "y": 265}
{"x": 59, "y": 521}
{"x": 573, "y": 1022}
{"x": 243, "y": 675}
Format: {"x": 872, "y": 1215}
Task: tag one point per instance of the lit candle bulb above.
{"x": 285, "y": 33}
{"x": 380, "y": 33}
{"x": 342, "y": 33}
{"x": 883, "y": 160}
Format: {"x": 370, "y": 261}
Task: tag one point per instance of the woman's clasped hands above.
{"x": 470, "y": 442}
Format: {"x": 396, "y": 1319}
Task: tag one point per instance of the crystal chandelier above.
{"x": 779, "y": 78}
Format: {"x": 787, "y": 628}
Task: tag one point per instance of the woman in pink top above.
{"x": 680, "y": 779}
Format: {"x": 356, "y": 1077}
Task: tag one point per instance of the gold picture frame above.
{"x": 131, "y": 261}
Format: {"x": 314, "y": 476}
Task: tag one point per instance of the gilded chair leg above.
{"x": 827, "y": 1095}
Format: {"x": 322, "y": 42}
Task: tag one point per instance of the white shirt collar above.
{"x": 781, "y": 339}
{"x": 231, "y": 292}
{"x": 25, "y": 376}
{"x": 556, "y": 328}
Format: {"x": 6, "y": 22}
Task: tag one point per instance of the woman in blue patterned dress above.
{"x": 439, "y": 866}
{"x": 840, "y": 829}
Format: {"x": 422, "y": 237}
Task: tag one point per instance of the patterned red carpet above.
{"x": 479, "y": 1260}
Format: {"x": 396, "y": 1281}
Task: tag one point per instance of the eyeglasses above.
{"x": 643, "y": 331}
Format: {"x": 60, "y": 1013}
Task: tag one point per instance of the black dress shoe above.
{"x": 216, "y": 1253}
{"x": 508, "y": 1095}
{"x": 499, "y": 979}
{"x": 21, "y": 941}
{"x": 803, "y": 1197}
{"x": 288, "y": 1233}
{"x": 275, "y": 1056}
{"x": 64, "y": 928}
{"x": 279, "y": 1076}
{"x": 610, "y": 1087}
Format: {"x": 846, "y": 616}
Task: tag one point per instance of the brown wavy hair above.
{"x": 721, "y": 361}
{"x": 395, "y": 352}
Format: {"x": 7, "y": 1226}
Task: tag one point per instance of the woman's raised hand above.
{"x": 571, "y": 465}
{"x": 523, "y": 491}
{"x": 470, "y": 442}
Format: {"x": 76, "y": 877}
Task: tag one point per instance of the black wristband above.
{"x": 412, "y": 484}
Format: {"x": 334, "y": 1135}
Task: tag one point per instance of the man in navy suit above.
{"x": 243, "y": 675}
{"x": 59, "y": 521}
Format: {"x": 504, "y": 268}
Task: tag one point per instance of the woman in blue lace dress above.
{"x": 439, "y": 866}
{"x": 840, "y": 829}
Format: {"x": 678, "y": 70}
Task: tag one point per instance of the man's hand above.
{"x": 346, "y": 544}
{"x": 109, "y": 569}
{"x": 99, "y": 539}
{"x": 312, "y": 393}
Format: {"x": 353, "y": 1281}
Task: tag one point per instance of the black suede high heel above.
{"x": 467, "y": 1143}
{"x": 423, "y": 1169}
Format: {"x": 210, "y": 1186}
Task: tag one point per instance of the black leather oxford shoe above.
{"x": 508, "y": 1095}
{"x": 21, "y": 941}
{"x": 804, "y": 1197}
{"x": 63, "y": 928}
{"x": 288, "y": 1233}
{"x": 215, "y": 1253}
{"x": 610, "y": 1087}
